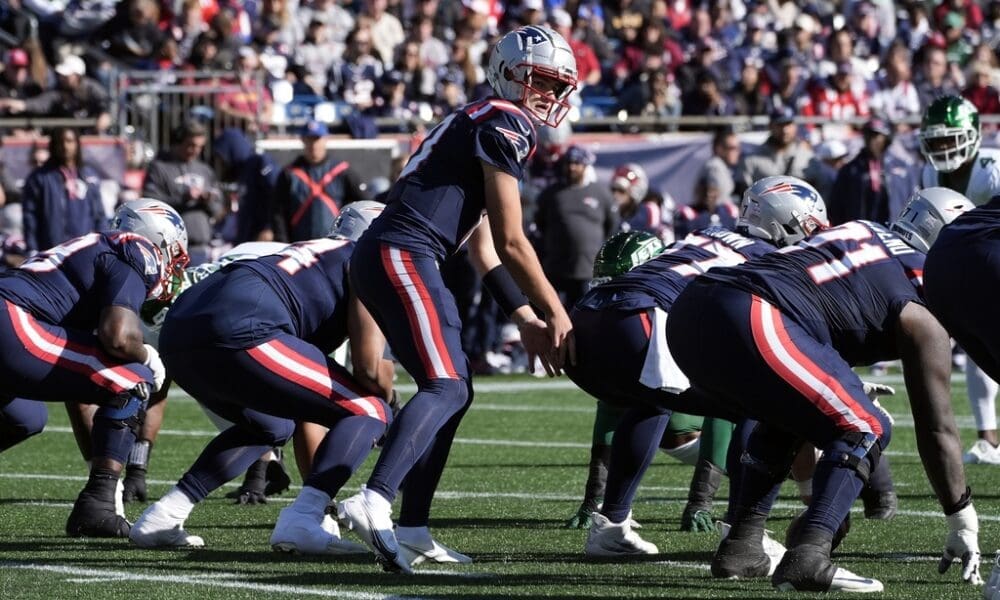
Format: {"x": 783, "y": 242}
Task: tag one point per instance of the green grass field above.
{"x": 516, "y": 472}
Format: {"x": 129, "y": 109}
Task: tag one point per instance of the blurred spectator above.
{"x": 822, "y": 171}
{"x": 434, "y": 53}
{"x": 386, "y": 31}
{"x": 178, "y": 177}
{"x": 957, "y": 39}
{"x": 251, "y": 105}
{"x": 134, "y": 36}
{"x": 317, "y": 53}
{"x": 840, "y": 97}
{"x": 17, "y": 21}
{"x": 391, "y": 101}
{"x": 61, "y": 199}
{"x": 971, "y": 13}
{"x": 725, "y": 160}
{"x": 188, "y": 25}
{"x": 984, "y": 96}
{"x": 711, "y": 204}
{"x": 652, "y": 93}
{"x": 276, "y": 27}
{"x": 312, "y": 189}
{"x": 934, "y": 80}
{"x": 532, "y": 12}
{"x": 338, "y": 20}
{"x": 895, "y": 96}
{"x": 75, "y": 96}
{"x": 574, "y": 217}
{"x": 991, "y": 24}
{"x": 445, "y": 15}
{"x": 255, "y": 177}
{"x": 588, "y": 69}
{"x": 544, "y": 169}
{"x": 864, "y": 25}
{"x": 790, "y": 92}
{"x": 219, "y": 47}
{"x": 783, "y": 153}
{"x": 916, "y": 29}
{"x": 840, "y": 50}
{"x": 707, "y": 98}
{"x": 450, "y": 92}
{"x": 751, "y": 48}
{"x": 16, "y": 81}
{"x": 589, "y": 29}
{"x": 750, "y": 96}
{"x": 420, "y": 81}
{"x": 352, "y": 78}
{"x": 875, "y": 183}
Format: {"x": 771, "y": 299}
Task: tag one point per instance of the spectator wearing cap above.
{"x": 783, "y": 153}
{"x": 386, "y": 30}
{"x": 255, "y": 177}
{"x": 711, "y": 204}
{"x": 934, "y": 78}
{"x": 317, "y": 53}
{"x": 875, "y": 184}
{"x": 895, "y": 95}
{"x": 61, "y": 199}
{"x": 979, "y": 92}
{"x": 588, "y": 69}
{"x": 750, "y": 95}
{"x": 75, "y": 96}
{"x": 180, "y": 178}
{"x": 312, "y": 189}
{"x": 839, "y": 97}
{"x": 822, "y": 171}
{"x": 957, "y": 38}
{"x": 532, "y": 12}
{"x": 575, "y": 216}
{"x": 16, "y": 81}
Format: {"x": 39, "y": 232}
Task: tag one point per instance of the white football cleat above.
{"x": 373, "y": 525}
{"x": 615, "y": 539}
{"x": 846, "y": 581}
{"x": 417, "y": 546}
{"x": 774, "y": 549}
{"x": 982, "y": 452}
{"x": 296, "y": 533}
{"x": 154, "y": 529}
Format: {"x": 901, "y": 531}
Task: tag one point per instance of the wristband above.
{"x": 504, "y": 290}
{"x": 964, "y": 501}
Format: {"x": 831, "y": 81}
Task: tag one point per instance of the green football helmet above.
{"x": 623, "y": 252}
{"x": 949, "y": 133}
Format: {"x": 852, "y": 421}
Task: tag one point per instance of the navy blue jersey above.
{"x": 438, "y": 199}
{"x": 72, "y": 283}
{"x": 301, "y": 290}
{"x": 845, "y": 285}
{"x": 979, "y": 224}
{"x": 659, "y": 281}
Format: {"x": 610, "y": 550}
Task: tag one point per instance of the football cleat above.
{"x": 615, "y": 539}
{"x": 982, "y": 453}
{"x": 154, "y": 529}
{"x": 417, "y": 546}
{"x": 807, "y": 568}
{"x": 296, "y": 533}
{"x": 92, "y": 518}
{"x": 373, "y": 524}
{"x": 276, "y": 475}
{"x": 772, "y": 548}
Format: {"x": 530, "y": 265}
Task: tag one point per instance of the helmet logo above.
{"x": 172, "y": 216}
{"x": 530, "y": 36}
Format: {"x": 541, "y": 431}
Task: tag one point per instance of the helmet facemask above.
{"x": 948, "y": 148}
{"x": 541, "y": 84}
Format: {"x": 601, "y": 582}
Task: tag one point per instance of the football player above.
{"x": 464, "y": 174}
{"x": 251, "y": 343}
{"x": 622, "y": 353}
{"x": 775, "y": 341}
{"x": 683, "y": 439}
{"x": 950, "y": 139}
{"x": 54, "y": 303}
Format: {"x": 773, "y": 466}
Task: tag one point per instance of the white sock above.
{"x": 176, "y": 505}
{"x": 311, "y": 501}
{"x": 982, "y": 397}
{"x": 414, "y": 534}
{"x": 377, "y": 500}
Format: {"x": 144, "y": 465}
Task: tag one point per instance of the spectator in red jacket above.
{"x": 588, "y": 69}
{"x": 984, "y": 96}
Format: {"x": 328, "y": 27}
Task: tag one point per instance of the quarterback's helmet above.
{"x": 162, "y": 225}
{"x": 355, "y": 218}
{"x": 632, "y": 179}
{"x": 782, "y": 210}
{"x": 926, "y": 213}
{"x": 949, "y": 133}
{"x": 525, "y": 57}
{"x": 623, "y": 252}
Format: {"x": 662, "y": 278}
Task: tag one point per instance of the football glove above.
{"x": 581, "y": 519}
{"x": 156, "y": 365}
{"x": 963, "y": 543}
{"x": 873, "y": 391}
{"x": 134, "y": 484}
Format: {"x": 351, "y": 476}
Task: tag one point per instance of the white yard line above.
{"x": 218, "y": 580}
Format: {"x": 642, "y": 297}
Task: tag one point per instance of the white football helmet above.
{"x": 926, "y": 213}
{"x": 782, "y": 210}
{"x": 631, "y": 178}
{"x": 355, "y": 218}
{"x": 162, "y": 225}
{"x": 525, "y": 57}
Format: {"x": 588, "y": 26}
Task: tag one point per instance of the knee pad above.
{"x": 855, "y": 450}
{"x": 125, "y": 412}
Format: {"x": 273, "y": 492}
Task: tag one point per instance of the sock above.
{"x": 636, "y": 442}
{"x": 835, "y": 488}
{"x": 704, "y": 483}
{"x": 311, "y": 501}
{"x": 176, "y": 504}
{"x": 715, "y": 436}
{"x": 377, "y": 500}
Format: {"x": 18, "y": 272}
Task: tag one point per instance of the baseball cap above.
{"x": 580, "y": 155}
{"x": 561, "y": 18}
{"x": 314, "y": 128}
{"x": 533, "y": 5}
{"x": 831, "y": 150}
{"x": 71, "y": 65}
{"x": 18, "y": 58}
{"x": 877, "y": 125}
{"x": 782, "y": 115}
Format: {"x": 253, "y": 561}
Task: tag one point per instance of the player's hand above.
{"x": 563, "y": 341}
{"x": 963, "y": 543}
{"x": 874, "y": 390}
{"x": 537, "y": 343}
{"x": 156, "y": 366}
{"x": 134, "y": 484}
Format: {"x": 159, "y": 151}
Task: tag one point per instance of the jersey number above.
{"x": 52, "y": 258}
{"x": 426, "y": 146}
{"x": 306, "y": 254}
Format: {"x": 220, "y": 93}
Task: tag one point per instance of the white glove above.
{"x": 873, "y": 391}
{"x": 992, "y": 589}
{"x": 963, "y": 543}
{"x": 156, "y": 365}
